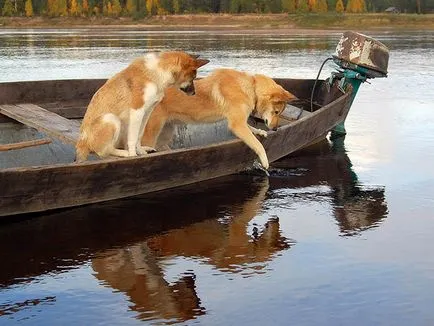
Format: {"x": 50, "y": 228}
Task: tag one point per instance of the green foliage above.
{"x": 8, "y": 8}
{"x": 288, "y": 6}
{"x": 302, "y": 6}
{"x": 176, "y": 7}
{"x": 321, "y": 6}
{"x": 235, "y": 6}
{"x": 116, "y": 8}
{"x": 62, "y": 8}
{"x": 331, "y": 5}
{"x": 275, "y": 6}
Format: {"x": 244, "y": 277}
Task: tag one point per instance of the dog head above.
{"x": 271, "y": 100}
{"x": 183, "y": 68}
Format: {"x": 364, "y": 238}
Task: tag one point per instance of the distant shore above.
{"x": 230, "y": 22}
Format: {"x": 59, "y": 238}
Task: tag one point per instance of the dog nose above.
{"x": 189, "y": 90}
{"x": 274, "y": 129}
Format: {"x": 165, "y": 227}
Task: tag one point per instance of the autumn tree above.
{"x": 74, "y": 8}
{"x": 339, "y": 6}
{"x": 85, "y": 7}
{"x": 355, "y": 6}
{"x": 150, "y": 7}
{"x": 52, "y": 7}
{"x": 107, "y": 9}
{"x": 116, "y": 8}
{"x": 312, "y": 5}
{"x": 130, "y": 7}
{"x": 28, "y": 8}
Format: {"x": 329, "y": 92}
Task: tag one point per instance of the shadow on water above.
{"x": 129, "y": 242}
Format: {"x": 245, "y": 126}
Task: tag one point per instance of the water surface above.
{"x": 339, "y": 234}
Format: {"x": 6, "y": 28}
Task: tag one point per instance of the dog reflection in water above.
{"x": 229, "y": 244}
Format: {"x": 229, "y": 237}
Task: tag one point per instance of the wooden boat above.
{"x": 37, "y": 169}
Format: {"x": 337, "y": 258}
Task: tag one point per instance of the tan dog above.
{"x": 119, "y": 110}
{"x": 225, "y": 94}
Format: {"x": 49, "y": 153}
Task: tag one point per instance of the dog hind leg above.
{"x": 105, "y": 136}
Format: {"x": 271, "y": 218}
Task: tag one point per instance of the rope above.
{"x": 314, "y": 85}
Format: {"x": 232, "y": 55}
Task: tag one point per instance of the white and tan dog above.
{"x": 119, "y": 110}
{"x": 225, "y": 94}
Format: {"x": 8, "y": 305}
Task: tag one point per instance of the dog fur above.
{"x": 119, "y": 110}
{"x": 225, "y": 94}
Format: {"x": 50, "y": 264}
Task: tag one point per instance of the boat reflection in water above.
{"x": 129, "y": 243}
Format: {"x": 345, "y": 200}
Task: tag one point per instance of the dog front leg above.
{"x": 143, "y": 150}
{"x": 242, "y": 131}
{"x": 134, "y": 126}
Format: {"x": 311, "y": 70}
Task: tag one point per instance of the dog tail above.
{"x": 81, "y": 151}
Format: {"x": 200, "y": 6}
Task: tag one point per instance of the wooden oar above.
{"x": 24, "y": 144}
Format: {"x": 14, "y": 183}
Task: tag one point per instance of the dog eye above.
{"x": 276, "y": 112}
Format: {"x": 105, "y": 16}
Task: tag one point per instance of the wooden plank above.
{"x": 24, "y": 144}
{"x": 43, "y": 120}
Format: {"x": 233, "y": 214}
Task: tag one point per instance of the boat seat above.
{"x": 43, "y": 120}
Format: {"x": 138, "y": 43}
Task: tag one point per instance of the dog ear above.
{"x": 201, "y": 62}
{"x": 282, "y": 96}
{"x": 289, "y": 96}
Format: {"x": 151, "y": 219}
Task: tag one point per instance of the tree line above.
{"x": 143, "y": 8}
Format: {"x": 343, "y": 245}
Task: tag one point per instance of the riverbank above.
{"x": 223, "y": 22}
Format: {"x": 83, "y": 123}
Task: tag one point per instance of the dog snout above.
{"x": 189, "y": 90}
{"x": 274, "y": 128}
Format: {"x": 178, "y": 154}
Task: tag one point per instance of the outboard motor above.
{"x": 358, "y": 58}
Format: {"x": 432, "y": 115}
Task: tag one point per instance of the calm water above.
{"x": 340, "y": 234}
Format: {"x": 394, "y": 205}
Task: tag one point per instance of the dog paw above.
{"x": 262, "y": 166}
{"x": 143, "y": 150}
{"x": 262, "y": 133}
